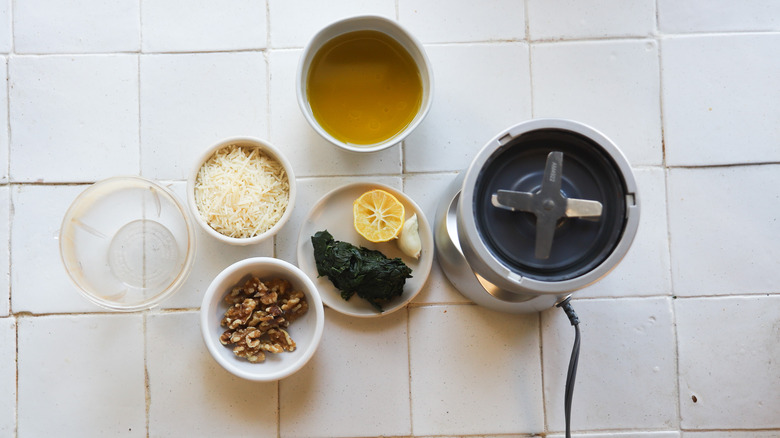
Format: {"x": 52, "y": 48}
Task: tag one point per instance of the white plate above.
{"x": 334, "y": 213}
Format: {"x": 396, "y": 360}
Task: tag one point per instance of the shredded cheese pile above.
{"x": 241, "y": 192}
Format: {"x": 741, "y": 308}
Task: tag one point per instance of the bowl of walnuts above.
{"x": 262, "y": 319}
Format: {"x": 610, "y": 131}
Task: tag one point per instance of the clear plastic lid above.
{"x": 127, "y": 243}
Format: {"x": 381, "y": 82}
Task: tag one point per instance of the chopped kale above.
{"x": 364, "y": 271}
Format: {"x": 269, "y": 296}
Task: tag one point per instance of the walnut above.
{"x": 248, "y": 344}
{"x": 235, "y": 296}
{"x": 295, "y": 306}
{"x": 258, "y": 314}
{"x": 281, "y": 338}
{"x": 239, "y": 314}
{"x": 267, "y": 295}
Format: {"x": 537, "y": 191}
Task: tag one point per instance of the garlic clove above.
{"x": 409, "y": 239}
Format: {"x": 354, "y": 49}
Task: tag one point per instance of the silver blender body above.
{"x": 493, "y": 238}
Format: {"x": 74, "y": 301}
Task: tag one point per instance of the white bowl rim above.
{"x": 254, "y": 142}
{"x": 392, "y": 141}
{"x": 212, "y": 343}
{"x": 181, "y": 278}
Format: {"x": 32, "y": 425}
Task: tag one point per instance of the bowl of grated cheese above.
{"x": 241, "y": 190}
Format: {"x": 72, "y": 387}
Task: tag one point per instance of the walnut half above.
{"x": 257, "y": 317}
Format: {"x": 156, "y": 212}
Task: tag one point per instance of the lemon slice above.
{"x": 378, "y": 216}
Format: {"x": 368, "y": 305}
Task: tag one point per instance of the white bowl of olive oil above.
{"x": 364, "y": 83}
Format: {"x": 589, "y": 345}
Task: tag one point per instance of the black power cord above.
{"x": 573, "y": 361}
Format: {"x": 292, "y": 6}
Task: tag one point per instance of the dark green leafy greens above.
{"x": 362, "y": 271}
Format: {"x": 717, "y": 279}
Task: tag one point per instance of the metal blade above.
{"x": 545, "y": 231}
{"x": 514, "y": 201}
{"x": 553, "y": 171}
{"x": 583, "y": 208}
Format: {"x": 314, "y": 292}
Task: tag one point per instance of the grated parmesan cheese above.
{"x": 241, "y": 192}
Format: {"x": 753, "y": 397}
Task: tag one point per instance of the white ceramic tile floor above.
{"x": 610, "y": 85}
{"x": 645, "y": 269}
{"x": 73, "y": 109}
{"x": 294, "y": 23}
{"x": 426, "y": 189}
{"x": 4, "y": 126}
{"x": 627, "y": 369}
{"x": 714, "y": 111}
{"x": 189, "y": 391}
{"x": 38, "y": 280}
{"x": 59, "y": 354}
{"x": 720, "y": 341}
{"x": 687, "y": 89}
{"x": 78, "y": 26}
{"x": 5, "y": 251}
{"x": 357, "y": 384}
{"x": 5, "y": 26}
{"x": 743, "y": 434}
{"x": 8, "y": 376}
{"x": 577, "y": 19}
{"x": 492, "y": 77}
{"x": 203, "y": 26}
{"x": 623, "y": 435}
{"x": 724, "y": 239}
{"x": 191, "y": 101}
{"x": 695, "y": 16}
{"x": 463, "y": 20}
{"x": 504, "y": 385}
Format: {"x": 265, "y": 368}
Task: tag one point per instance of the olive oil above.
{"x": 364, "y": 87}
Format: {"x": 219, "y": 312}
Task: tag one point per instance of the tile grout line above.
{"x": 433, "y": 43}
{"x": 9, "y": 212}
{"x": 530, "y": 57}
{"x": 8, "y": 184}
{"x": 545, "y": 419}
{"x": 665, "y": 166}
{"x": 402, "y": 151}
{"x": 662, "y": 166}
{"x": 168, "y": 311}
{"x": 707, "y": 34}
{"x": 147, "y": 388}
{"x": 402, "y": 145}
{"x": 545, "y": 425}
{"x": 8, "y": 117}
{"x": 656, "y": 35}
{"x": 16, "y": 381}
{"x": 268, "y": 44}
{"x": 141, "y": 52}
{"x": 720, "y": 166}
{"x": 409, "y": 365}
{"x": 140, "y": 26}
{"x": 140, "y": 120}
{"x": 267, "y": 59}
{"x": 145, "y": 315}
{"x": 448, "y": 172}
{"x": 138, "y": 67}
{"x": 279, "y": 409}
{"x": 9, "y": 203}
